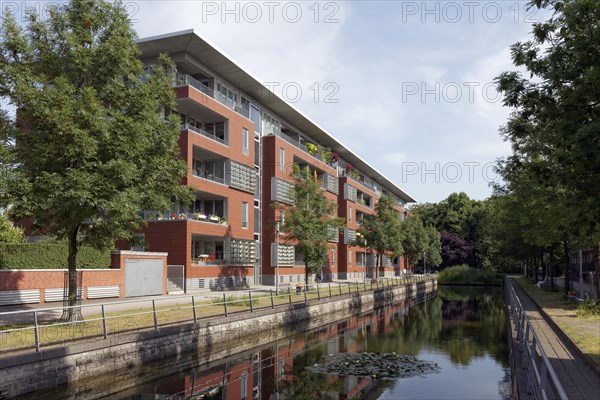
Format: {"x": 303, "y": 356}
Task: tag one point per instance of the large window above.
{"x": 244, "y": 214}
{"x": 281, "y": 159}
{"x": 255, "y": 117}
{"x": 245, "y": 141}
{"x": 217, "y": 129}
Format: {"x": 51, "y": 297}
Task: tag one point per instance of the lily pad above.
{"x": 385, "y": 366}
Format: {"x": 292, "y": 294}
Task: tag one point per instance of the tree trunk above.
{"x": 551, "y": 268}
{"x": 71, "y": 314}
{"x": 597, "y": 265}
{"x": 566, "y": 261}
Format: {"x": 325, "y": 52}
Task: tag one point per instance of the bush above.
{"x": 589, "y": 308}
{"x": 49, "y": 255}
{"x": 465, "y": 274}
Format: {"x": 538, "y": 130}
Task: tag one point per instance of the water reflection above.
{"x": 463, "y": 330}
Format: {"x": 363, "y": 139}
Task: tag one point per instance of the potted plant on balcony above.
{"x": 182, "y": 216}
{"x": 334, "y": 158}
{"x": 222, "y": 221}
{"x": 312, "y": 148}
{"x": 325, "y": 153}
{"x": 214, "y": 218}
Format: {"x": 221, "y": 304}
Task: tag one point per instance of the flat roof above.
{"x": 190, "y": 42}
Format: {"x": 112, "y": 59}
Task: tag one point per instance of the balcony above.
{"x": 214, "y": 251}
{"x": 186, "y": 80}
{"x": 183, "y": 216}
{"x": 209, "y": 166}
{"x": 202, "y": 132}
{"x": 299, "y": 145}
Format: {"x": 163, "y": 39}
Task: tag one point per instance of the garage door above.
{"x": 143, "y": 277}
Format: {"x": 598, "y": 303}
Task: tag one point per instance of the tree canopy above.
{"x": 9, "y": 233}
{"x": 554, "y": 128}
{"x": 89, "y": 148}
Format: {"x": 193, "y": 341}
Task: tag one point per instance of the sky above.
{"x": 406, "y": 85}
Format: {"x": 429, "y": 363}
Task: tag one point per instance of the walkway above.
{"x": 578, "y": 379}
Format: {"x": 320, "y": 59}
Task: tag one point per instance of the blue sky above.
{"x": 407, "y": 85}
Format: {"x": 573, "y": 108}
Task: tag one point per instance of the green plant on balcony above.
{"x": 325, "y": 153}
{"x": 312, "y": 148}
{"x": 355, "y": 174}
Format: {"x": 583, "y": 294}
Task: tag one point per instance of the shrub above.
{"x": 465, "y": 274}
{"x": 49, "y": 255}
{"x": 589, "y": 308}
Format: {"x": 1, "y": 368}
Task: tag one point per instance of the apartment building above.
{"x": 240, "y": 141}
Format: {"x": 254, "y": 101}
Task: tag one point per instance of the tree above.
{"x": 381, "y": 231}
{"x": 463, "y": 218}
{"x": 309, "y": 222}
{"x": 455, "y": 250}
{"x": 91, "y": 148}
{"x": 9, "y": 233}
{"x": 419, "y": 242}
{"x": 556, "y": 117}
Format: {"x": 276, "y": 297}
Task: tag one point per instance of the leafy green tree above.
{"x": 308, "y": 221}
{"x": 459, "y": 215}
{"x": 381, "y": 231}
{"x": 10, "y": 233}
{"x": 556, "y": 117}
{"x": 420, "y": 242}
{"x": 91, "y": 148}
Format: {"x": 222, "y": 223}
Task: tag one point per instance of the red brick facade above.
{"x": 45, "y": 279}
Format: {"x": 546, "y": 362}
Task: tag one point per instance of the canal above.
{"x": 462, "y": 331}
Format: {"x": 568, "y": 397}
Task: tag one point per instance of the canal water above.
{"x": 462, "y": 330}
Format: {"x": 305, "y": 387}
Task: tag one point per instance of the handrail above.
{"x": 537, "y": 375}
{"x": 87, "y": 328}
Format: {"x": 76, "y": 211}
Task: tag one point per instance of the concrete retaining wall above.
{"x": 28, "y": 372}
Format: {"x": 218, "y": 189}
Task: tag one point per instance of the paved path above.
{"x": 578, "y": 379}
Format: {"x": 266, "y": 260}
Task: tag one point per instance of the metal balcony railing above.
{"x": 183, "y": 80}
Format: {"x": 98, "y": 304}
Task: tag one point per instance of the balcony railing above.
{"x": 203, "y": 133}
{"x": 183, "y": 80}
{"x": 173, "y": 216}
{"x": 209, "y": 177}
{"x": 362, "y": 182}
{"x": 298, "y": 145}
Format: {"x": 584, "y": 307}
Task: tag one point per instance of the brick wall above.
{"x": 42, "y": 279}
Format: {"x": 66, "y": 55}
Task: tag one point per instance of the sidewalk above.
{"x": 578, "y": 379}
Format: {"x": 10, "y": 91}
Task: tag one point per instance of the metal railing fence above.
{"x": 542, "y": 380}
{"x": 24, "y": 329}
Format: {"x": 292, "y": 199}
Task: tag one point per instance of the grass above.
{"x": 467, "y": 275}
{"x": 582, "y": 329}
{"x": 131, "y": 321}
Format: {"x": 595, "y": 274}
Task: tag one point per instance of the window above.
{"x": 350, "y": 214}
{"x": 350, "y": 257}
{"x": 244, "y": 214}
{"x": 243, "y": 386}
{"x": 255, "y": 117}
{"x": 281, "y": 159}
{"x": 245, "y": 141}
